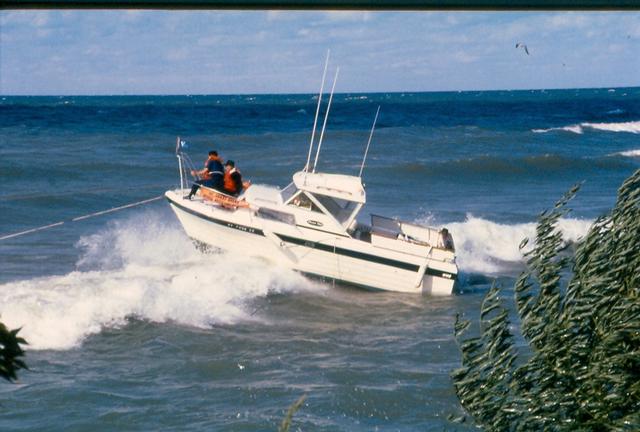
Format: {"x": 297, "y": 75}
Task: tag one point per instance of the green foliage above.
{"x": 581, "y": 370}
{"x": 286, "y": 422}
{"x": 10, "y": 351}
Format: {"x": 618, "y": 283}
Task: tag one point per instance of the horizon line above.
{"x": 312, "y": 93}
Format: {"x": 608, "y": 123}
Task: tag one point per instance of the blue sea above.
{"x": 131, "y": 327}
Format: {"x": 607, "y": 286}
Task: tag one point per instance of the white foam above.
{"x": 616, "y": 111}
{"x": 630, "y": 153}
{"x": 577, "y": 129}
{"x": 629, "y": 127}
{"x": 488, "y": 247}
{"x": 145, "y": 269}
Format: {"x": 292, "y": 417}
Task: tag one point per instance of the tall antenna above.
{"x": 315, "y": 120}
{"x": 326, "y": 115}
{"x": 369, "y": 142}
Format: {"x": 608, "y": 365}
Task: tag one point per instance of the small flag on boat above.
{"x": 180, "y": 144}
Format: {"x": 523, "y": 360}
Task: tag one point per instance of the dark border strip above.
{"x": 349, "y": 253}
{"x": 243, "y": 228}
{"x": 373, "y": 5}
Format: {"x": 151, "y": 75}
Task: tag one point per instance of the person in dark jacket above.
{"x": 446, "y": 240}
{"x": 232, "y": 179}
{"x": 212, "y": 175}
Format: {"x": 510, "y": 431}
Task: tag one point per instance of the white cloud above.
{"x": 93, "y": 50}
{"x": 464, "y": 57}
{"x": 567, "y": 20}
{"x": 350, "y": 16}
{"x": 132, "y": 16}
{"x": 24, "y": 18}
{"x": 209, "y": 41}
{"x": 512, "y": 31}
{"x": 40, "y": 19}
{"x": 178, "y": 54}
{"x": 616, "y": 48}
{"x": 43, "y": 33}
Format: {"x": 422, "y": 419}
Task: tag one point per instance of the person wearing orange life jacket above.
{"x": 232, "y": 179}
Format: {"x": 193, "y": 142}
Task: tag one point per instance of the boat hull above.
{"x": 311, "y": 252}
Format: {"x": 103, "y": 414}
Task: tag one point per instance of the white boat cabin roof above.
{"x": 341, "y": 186}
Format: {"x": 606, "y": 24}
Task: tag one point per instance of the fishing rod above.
{"x": 326, "y": 116}
{"x": 369, "y": 142}
{"x": 315, "y": 120}
{"x": 79, "y": 218}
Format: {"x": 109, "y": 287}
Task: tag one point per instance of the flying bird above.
{"x": 521, "y": 45}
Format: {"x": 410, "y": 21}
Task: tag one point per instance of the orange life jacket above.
{"x": 229, "y": 184}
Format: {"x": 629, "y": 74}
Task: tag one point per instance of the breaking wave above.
{"x": 489, "y": 247}
{"x": 630, "y": 153}
{"x": 630, "y": 127}
{"x": 145, "y": 269}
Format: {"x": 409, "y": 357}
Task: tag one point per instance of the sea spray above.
{"x": 630, "y": 153}
{"x": 629, "y": 127}
{"x": 487, "y": 247}
{"x": 143, "y": 268}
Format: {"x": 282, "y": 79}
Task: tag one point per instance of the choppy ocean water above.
{"x": 131, "y": 327}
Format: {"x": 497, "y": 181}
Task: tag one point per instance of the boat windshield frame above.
{"x": 288, "y": 193}
{"x": 342, "y": 210}
{"x": 301, "y": 199}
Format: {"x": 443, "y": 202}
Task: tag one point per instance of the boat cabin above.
{"x": 331, "y": 203}
{"x": 326, "y": 202}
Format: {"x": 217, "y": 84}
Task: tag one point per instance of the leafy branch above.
{"x": 10, "y": 353}
{"x": 581, "y": 368}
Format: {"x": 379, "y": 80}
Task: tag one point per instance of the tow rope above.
{"x": 79, "y": 218}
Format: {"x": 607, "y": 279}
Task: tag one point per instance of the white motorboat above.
{"x": 311, "y": 226}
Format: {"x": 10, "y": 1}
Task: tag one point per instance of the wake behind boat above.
{"x": 311, "y": 226}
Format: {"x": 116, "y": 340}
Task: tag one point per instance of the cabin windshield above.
{"x": 288, "y": 192}
{"x": 301, "y": 200}
{"x": 340, "y": 209}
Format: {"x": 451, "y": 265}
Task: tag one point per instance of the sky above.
{"x": 98, "y": 52}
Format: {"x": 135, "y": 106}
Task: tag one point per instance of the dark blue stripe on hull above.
{"x": 350, "y": 253}
{"x": 366, "y": 256}
{"x": 243, "y": 228}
